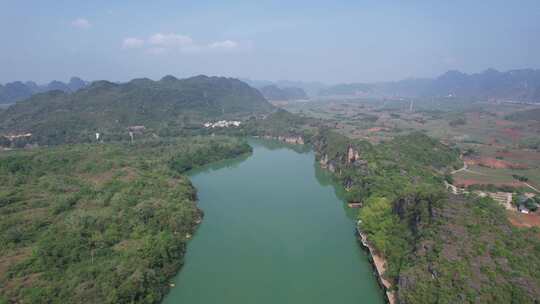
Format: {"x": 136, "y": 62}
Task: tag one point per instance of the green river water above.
{"x": 274, "y": 231}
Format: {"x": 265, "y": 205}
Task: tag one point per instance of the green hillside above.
{"x": 438, "y": 247}
{"x": 57, "y": 117}
{"x": 101, "y": 223}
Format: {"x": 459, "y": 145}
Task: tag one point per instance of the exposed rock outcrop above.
{"x": 352, "y": 155}
{"x": 324, "y": 161}
{"x": 348, "y": 184}
{"x": 331, "y": 167}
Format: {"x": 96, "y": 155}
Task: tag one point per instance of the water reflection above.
{"x": 274, "y": 232}
{"x": 229, "y": 163}
{"x": 274, "y": 144}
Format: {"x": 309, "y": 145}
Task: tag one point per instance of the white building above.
{"x": 222, "y": 124}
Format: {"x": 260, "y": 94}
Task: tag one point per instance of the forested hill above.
{"x": 15, "y": 91}
{"x": 273, "y": 92}
{"x": 58, "y": 117}
{"x": 104, "y": 223}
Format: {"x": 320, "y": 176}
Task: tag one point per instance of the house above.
{"x": 136, "y": 128}
{"x": 527, "y": 204}
{"x": 16, "y": 136}
{"x": 222, "y": 124}
{"x": 523, "y": 209}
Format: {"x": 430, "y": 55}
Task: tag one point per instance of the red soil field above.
{"x": 519, "y": 155}
{"x": 494, "y": 163}
{"x": 514, "y": 134}
{"x": 524, "y": 220}
{"x": 503, "y": 123}
{"x": 377, "y": 129}
{"x": 463, "y": 183}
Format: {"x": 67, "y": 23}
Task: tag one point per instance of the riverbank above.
{"x": 405, "y": 207}
{"x": 378, "y": 263}
{"x": 285, "y": 256}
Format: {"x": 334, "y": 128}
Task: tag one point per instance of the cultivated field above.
{"x": 498, "y": 148}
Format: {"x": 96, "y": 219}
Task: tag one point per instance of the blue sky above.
{"x": 329, "y": 41}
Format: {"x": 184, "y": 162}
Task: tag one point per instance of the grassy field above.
{"x": 483, "y": 175}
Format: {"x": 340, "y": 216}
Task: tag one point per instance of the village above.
{"x": 523, "y": 208}
{"x": 222, "y": 124}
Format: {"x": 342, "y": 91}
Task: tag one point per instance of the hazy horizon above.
{"x": 346, "y": 41}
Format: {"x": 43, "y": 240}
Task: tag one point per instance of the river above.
{"x": 274, "y": 231}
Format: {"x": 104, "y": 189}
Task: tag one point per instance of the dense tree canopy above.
{"x": 103, "y": 223}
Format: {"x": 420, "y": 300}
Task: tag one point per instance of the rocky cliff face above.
{"x": 340, "y": 158}
{"x": 438, "y": 246}
{"x": 329, "y": 164}
{"x": 352, "y": 155}
{"x": 416, "y": 211}
{"x": 324, "y": 161}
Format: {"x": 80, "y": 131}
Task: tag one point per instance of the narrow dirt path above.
{"x": 530, "y": 186}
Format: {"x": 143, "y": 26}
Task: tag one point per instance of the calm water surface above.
{"x": 274, "y": 231}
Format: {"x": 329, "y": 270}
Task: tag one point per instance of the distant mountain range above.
{"x": 15, "y": 91}
{"x": 168, "y": 104}
{"x": 273, "y": 92}
{"x": 518, "y": 85}
{"x": 310, "y": 88}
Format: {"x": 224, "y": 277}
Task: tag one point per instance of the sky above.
{"x": 327, "y": 41}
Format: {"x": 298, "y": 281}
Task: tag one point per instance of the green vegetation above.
{"x": 103, "y": 223}
{"x": 281, "y": 123}
{"x": 417, "y": 228}
{"x": 439, "y": 248}
{"x": 120, "y": 214}
{"x": 389, "y": 168}
{"x": 532, "y": 204}
{"x": 168, "y": 107}
{"x": 465, "y": 250}
{"x": 15, "y": 91}
{"x": 478, "y": 125}
{"x": 533, "y": 114}
{"x": 195, "y": 156}
{"x": 273, "y": 92}
{"x": 457, "y": 122}
{"x": 532, "y": 143}
{"x": 520, "y": 178}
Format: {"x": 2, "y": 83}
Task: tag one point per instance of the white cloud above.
{"x": 170, "y": 40}
{"x": 131, "y": 43}
{"x": 226, "y": 44}
{"x": 81, "y": 23}
{"x": 161, "y": 43}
